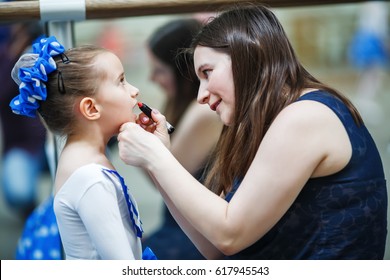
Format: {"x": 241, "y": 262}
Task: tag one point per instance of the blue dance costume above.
{"x": 341, "y": 216}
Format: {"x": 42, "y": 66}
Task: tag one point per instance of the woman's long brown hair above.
{"x": 267, "y": 78}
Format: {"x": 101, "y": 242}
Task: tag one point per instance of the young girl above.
{"x": 296, "y": 175}
{"x": 82, "y": 94}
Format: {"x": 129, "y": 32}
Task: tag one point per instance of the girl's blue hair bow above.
{"x": 30, "y": 73}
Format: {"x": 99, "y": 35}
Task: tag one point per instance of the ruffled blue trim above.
{"x": 148, "y": 254}
{"x": 32, "y": 88}
{"x": 134, "y": 216}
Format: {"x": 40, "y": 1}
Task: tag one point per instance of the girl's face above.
{"x": 116, "y": 96}
{"x": 214, "y": 70}
{"x": 162, "y": 74}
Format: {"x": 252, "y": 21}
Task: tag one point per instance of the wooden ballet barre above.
{"x": 19, "y": 10}
{"x": 103, "y": 9}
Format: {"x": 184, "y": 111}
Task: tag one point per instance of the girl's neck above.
{"x": 89, "y": 150}
{"x": 88, "y": 140}
{"x": 78, "y": 152}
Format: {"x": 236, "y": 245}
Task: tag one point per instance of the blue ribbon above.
{"x": 134, "y": 216}
{"x": 32, "y": 88}
{"x": 136, "y": 221}
{"x": 148, "y": 254}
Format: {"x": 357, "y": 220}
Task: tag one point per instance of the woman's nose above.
{"x": 203, "y": 96}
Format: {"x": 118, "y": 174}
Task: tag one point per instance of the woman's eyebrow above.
{"x": 200, "y": 68}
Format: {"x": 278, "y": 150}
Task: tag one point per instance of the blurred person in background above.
{"x": 23, "y": 154}
{"x": 197, "y": 128}
{"x": 369, "y": 53}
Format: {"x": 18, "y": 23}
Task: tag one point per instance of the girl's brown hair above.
{"x": 75, "y": 77}
{"x": 267, "y": 77}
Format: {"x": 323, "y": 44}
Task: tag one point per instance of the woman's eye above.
{"x": 206, "y": 72}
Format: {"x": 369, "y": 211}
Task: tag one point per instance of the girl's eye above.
{"x": 123, "y": 81}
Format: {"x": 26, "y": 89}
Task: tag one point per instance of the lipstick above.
{"x": 148, "y": 111}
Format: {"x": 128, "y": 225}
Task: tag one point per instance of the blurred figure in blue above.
{"x": 369, "y": 53}
{"x": 23, "y": 138}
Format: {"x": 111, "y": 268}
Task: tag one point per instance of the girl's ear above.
{"x": 89, "y": 108}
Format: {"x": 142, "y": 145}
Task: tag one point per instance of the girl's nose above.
{"x": 134, "y": 91}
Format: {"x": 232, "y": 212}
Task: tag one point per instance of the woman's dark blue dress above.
{"x": 341, "y": 216}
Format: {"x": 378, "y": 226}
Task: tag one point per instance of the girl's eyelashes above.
{"x": 122, "y": 80}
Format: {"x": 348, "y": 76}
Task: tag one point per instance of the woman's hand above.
{"x": 138, "y": 142}
{"x": 146, "y": 123}
{"x": 157, "y": 126}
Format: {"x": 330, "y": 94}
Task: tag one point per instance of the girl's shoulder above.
{"x": 83, "y": 175}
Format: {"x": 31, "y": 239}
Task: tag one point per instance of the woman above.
{"x": 296, "y": 173}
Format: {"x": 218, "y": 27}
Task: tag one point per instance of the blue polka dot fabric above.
{"x": 40, "y": 239}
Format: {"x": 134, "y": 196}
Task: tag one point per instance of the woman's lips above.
{"x": 215, "y": 105}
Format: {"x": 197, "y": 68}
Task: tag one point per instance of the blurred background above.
{"x": 322, "y": 37}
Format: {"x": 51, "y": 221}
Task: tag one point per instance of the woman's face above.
{"x": 115, "y": 95}
{"x": 214, "y": 70}
{"x": 162, "y": 74}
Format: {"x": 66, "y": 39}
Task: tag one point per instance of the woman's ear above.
{"x": 89, "y": 108}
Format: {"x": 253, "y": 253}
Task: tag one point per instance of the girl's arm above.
{"x": 100, "y": 214}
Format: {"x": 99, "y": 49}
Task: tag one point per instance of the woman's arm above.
{"x": 204, "y": 246}
{"x": 306, "y": 139}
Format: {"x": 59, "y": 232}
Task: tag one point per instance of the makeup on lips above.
{"x": 215, "y": 105}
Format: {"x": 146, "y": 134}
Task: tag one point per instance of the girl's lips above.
{"x": 215, "y": 105}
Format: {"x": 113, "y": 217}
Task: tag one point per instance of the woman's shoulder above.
{"x": 313, "y": 129}
{"x": 308, "y": 110}
{"x": 308, "y": 122}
